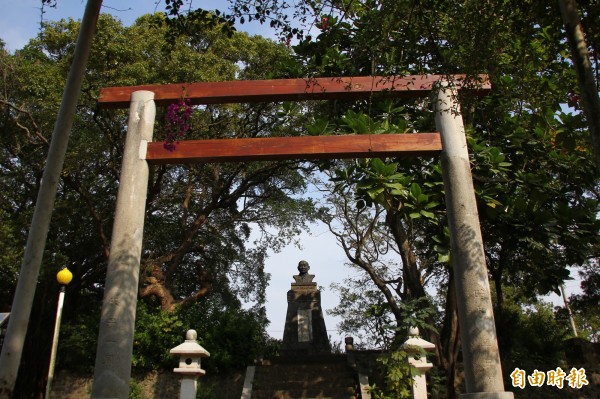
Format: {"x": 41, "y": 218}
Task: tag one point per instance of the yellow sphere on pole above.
{"x": 64, "y": 276}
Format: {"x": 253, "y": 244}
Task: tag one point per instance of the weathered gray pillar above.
{"x": 115, "y": 339}
{"x": 12, "y": 349}
{"x": 483, "y": 372}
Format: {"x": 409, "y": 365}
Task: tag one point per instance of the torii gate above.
{"x": 112, "y": 371}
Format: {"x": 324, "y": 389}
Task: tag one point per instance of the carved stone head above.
{"x": 303, "y": 267}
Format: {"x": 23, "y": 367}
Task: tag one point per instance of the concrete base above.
{"x": 304, "y": 332}
{"x": 487, "y": 395}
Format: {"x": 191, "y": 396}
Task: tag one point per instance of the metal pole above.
{"x": 483, "y": 373}
{"x": 12, "y": 350}
{"x": 59, "y": 308}
{"x": 571, "y": 318}
{"x": 115, "y": 339}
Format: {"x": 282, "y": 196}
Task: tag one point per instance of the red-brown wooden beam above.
{"x": 246, "y": 91}
{"x": 304, "y": 147}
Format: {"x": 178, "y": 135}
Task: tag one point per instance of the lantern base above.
{"x": 190, "y": 372}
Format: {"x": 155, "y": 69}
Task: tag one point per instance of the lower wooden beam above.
{"x": 304, "y": 147}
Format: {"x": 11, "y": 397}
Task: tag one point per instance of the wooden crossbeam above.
{"x": 304, "y": 147}
{"x": 241, "y": 91}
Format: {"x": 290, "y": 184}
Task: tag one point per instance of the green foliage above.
{"x": 207, "y": 391}
{"x": 536, "y": 187}
{"x": 398, "y": 376}
{"x": 418, "y": 313}
{"x": 156, "y": 333}
{"x": 235, "y": 337}
{"x": 193, "y": 21}
{"x": 398, "y": 372}
{"x": 535, "y": 182}
{"x": 365, "y": 314}
{"x": 78, "y": 340}
{"x": 585, "y": 305}
{"x": 135, "y": 390}
{"x": 531, "y": 165}
{"x": 199, "y": 218}
{"x": 10, "y": 258}
{"x": 535, "y": 338}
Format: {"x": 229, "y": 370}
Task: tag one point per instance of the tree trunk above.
{"x": 583, "y": 68}
{"x": 412, "y": 277}
{"x": 449, "y": 339}
{"x": 447, "y": 343}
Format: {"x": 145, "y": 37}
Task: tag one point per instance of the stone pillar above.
{"x": 115, "y": 339}
{"x": 304, "y": 331}
{"x": 483, "y": 373}
{"x": 12, "y": 347}
{"x": 248, "y": 381}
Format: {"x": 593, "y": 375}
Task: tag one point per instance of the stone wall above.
{"x": 154, "y": 384}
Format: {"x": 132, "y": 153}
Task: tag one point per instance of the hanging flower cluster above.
{"x": 177, "y": 122}
{"x": 324, "y": 23}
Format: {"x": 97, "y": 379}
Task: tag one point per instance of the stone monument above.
{"x": 304, "y": 331}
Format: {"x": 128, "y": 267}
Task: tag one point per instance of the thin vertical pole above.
{"x": 483, "y": 373}
{"x": 12, "y": 349}
{"x": 59, "y": 308}
{"x": 568, "y": 306}
{"x": 115, "y": 339}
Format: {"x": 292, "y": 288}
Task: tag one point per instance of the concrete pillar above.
{"x": 248, "y": 381}
{"x": 12, "y": 348}
{"x": 115, "y": 339}
{"x": 483, "y": 373}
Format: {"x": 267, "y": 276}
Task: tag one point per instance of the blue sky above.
{"x": 20, "y": 21}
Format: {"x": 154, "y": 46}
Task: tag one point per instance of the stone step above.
{"x": 300, "y": 377}
{"x": 300, "y": 382}
{"x": 345, "y": 389}
{"x": 306, "y": 368}
{"x": 286, "y": 396}
{"x": 296, "y": 376}
{"x": 320, "y": 388}
{"x": 302, "y": 394}
{"x": 295, "y": 381}
{"x": 288, "y": 368}
{"x": 307, "y": 359}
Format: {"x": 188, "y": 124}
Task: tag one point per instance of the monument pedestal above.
{"x": 304, "y": 331}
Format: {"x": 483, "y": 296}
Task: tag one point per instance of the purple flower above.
{"x": 177, "y": 123}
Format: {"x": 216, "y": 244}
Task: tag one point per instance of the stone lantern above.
{"x": 415, "y": 345}
{"x": 190, "y": 368}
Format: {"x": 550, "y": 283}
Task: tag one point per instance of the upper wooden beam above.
{"x": 245, "y": 91}
{"x": 304, "y": 147}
